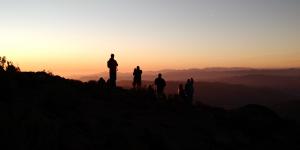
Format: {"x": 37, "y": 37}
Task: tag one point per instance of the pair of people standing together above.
{"x": 187, "y": 91}
{"x": 159, "y": 82}
{"x": 112, "y": 64}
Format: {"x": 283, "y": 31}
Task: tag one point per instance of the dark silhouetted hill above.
{"x": 289, "y": 109}
{"x": 43, "y": 111}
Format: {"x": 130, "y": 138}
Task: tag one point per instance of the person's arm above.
{"x": 108, "y": 64}
{"x": 116, "y": 65}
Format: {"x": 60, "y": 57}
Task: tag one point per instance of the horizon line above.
{"x": 167, "y": 70}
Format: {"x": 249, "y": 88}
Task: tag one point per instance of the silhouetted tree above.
{"x": 12, "y": 68}
{"x": 8, "y": 66}
{"x": 2, "y": 63}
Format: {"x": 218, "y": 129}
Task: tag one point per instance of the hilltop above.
{"x": 43, "y": 111}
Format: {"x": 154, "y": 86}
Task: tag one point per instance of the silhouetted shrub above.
{"x": 2, "y": 63}
{"x": 12, "y": 68}
{"x": 8, "y": 66}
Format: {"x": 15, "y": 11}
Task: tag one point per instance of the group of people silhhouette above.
{"x": 185, "y": 93}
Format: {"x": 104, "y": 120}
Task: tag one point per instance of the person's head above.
{"x": 159, "y": 75}
{"x": 138, "y": 67}
{"x": 188, "y": 81}
{"x": 112, "y": 55}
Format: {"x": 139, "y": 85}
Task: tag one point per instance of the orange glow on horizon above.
{"x": 77, "y": 37}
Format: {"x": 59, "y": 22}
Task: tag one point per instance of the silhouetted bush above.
{"x": 8, "y": 66}
{"x": 12, "y": 68}
{"x": 2, "y": 63}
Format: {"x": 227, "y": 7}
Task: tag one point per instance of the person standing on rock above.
{"x": 137, "y": 77}
{"x": 160, "y": 85}
{"x": 112, "y": 64}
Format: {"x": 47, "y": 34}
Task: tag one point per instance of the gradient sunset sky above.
{"x": 72, "y": 37}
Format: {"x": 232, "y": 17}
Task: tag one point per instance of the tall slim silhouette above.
{"x": 137, "y": 77}
{"x": 181, "y": 92}
{"x": 189, "y": 90}
{"x": 112, "y": 64}
{"x": 160, "y": 85}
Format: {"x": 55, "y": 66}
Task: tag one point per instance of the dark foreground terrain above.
{"x": 39, "y": 111}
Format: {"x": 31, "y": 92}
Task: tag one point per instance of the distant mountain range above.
{"x": 282, "y": 79}
{"x": 227, "y": 87}
{"x": 207, "y": 74}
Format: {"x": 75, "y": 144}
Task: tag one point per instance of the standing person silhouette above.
{"x": 137, "y": 79}
{"x": 160, "y": 85}
{"x": 181, "y": 92}
{"x": 192, "y": 88}
{"x": 112, "y": 64}
{"x": 189, "y": 89}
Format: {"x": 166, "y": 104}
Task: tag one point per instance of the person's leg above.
{"x": 139, "y": 84}
{"x": 159, "y": 92}
{"x": 114, "y": 78}
{"x": 111, "y": 75}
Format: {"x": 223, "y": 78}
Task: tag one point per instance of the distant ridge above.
{"x": 205, "y": 74}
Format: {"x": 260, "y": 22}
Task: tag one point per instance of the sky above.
{"x": 76, "y": 37}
